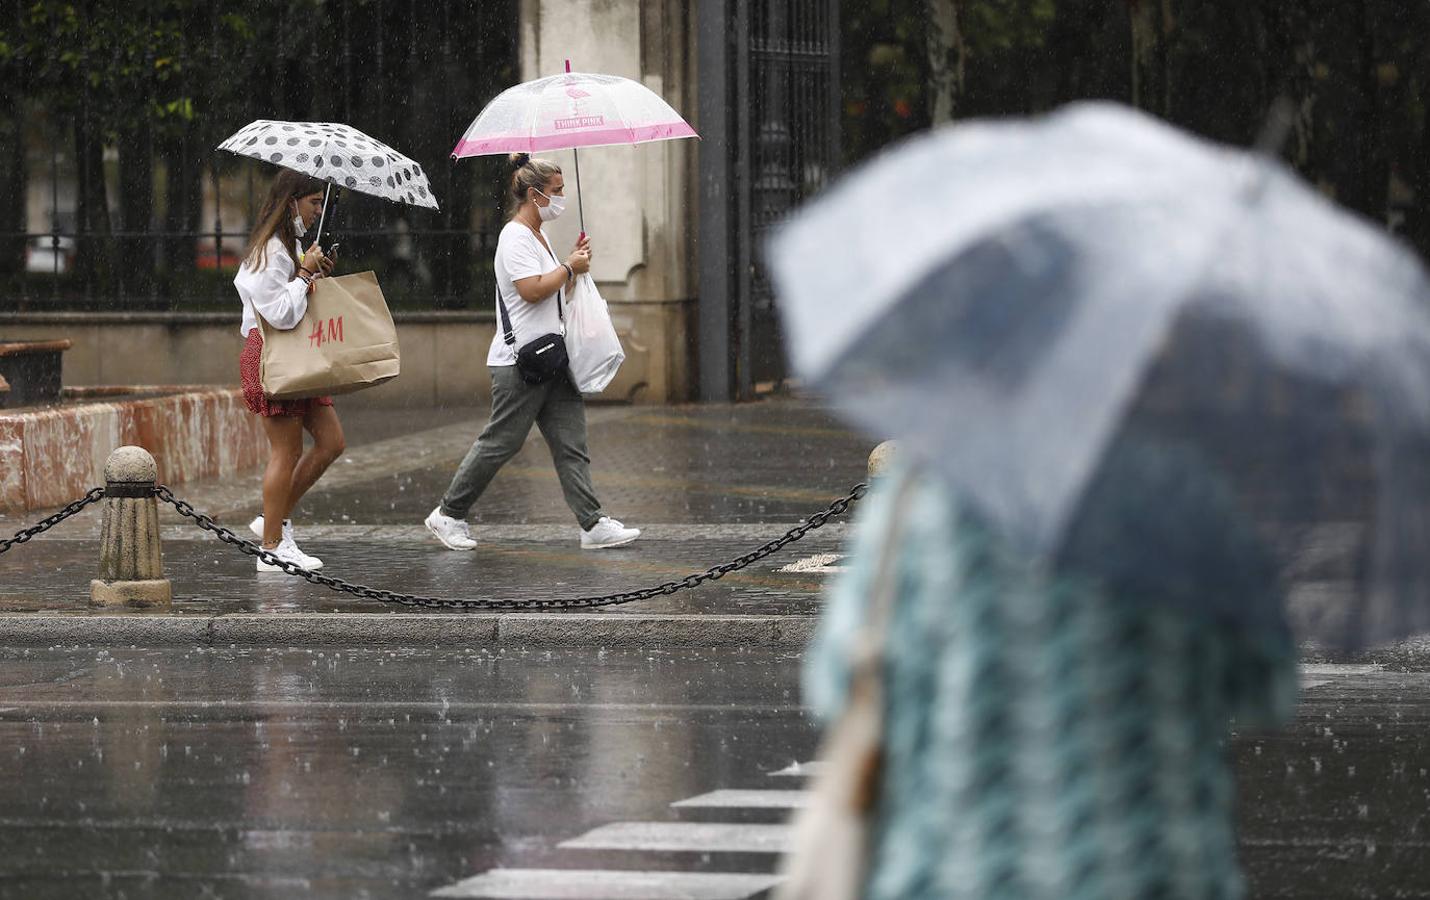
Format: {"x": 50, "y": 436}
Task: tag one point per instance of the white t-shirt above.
{"x": 272, "y": 292}
{"x": 521, "y": 254}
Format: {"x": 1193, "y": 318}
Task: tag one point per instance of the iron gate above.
{"x": 769, "y": 119}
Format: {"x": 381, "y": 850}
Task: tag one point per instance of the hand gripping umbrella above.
{"x": 338, "y": 154}
{"x": 1161, "y": 361}
{"x": 565, "y": 112}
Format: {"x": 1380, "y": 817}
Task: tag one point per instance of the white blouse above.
{"x": 271, "y": 292}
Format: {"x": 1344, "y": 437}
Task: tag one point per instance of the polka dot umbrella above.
{"x": 338, "y": 154}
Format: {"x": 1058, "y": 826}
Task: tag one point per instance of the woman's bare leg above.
{"x": 285, "y": 448}
{"x": 328, "y": 444}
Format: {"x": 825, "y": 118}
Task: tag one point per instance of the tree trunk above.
{"x": 183, "y": 188}
{"x": 1373, "y": 171}
{"x": 1151, "y": 22}
{"x": 1417, "y": 225}
{"x": 93, "y": 251}
{"x": 13, "y": 179}
{"x": 947, "y": 56}
{"x": 136, "y": 205}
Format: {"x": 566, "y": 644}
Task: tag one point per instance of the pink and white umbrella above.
{"x": 564, "y": 112}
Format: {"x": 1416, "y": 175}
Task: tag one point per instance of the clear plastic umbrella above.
{"x": 1164, "y": 361}
{"x": 565, "y": 112}
{"x": 338, "y": 154}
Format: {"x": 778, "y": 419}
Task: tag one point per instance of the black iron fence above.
{"x": 112, "y": 196}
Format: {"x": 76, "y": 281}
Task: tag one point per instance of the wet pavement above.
{"x": 398, "y": 773}
{"x": 254, "y": 751}
{"x": 359, "y": 773}
{"x": 1338, "y": 806}
{"x": 707, "y": 484}
{"x": 211, "y": 578}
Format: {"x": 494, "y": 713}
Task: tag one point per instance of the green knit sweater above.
{"x": 1044, "y": 741}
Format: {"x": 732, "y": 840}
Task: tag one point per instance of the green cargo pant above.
{"x": 557, "y": 409}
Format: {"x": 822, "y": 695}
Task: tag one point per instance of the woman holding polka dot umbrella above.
{"x": 275, "y": 279}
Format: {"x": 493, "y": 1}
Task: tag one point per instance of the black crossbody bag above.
{"x": 541, "y": 360}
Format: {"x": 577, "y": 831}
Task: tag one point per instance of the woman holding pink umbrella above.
{"x": 531, "y": 285}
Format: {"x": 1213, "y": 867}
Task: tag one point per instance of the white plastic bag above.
{"x": 592, "y": 347}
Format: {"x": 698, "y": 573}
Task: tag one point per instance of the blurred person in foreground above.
{"x": 1048, "y": 735}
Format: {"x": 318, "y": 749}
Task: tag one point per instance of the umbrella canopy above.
{"x": 1159, "y": 360}
{"x": 338, "y": 154}
{"x": 564, "y": 112}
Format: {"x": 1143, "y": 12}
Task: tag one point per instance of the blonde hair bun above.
{"x": 518, "y": 160}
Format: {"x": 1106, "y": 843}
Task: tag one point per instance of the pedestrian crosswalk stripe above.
{"x": 585, "y": 884}
{"x": 1314, "y": 675}
{"x": 730, "y": 799}
{"x": 702, "y": 837}
{"x": 805, "y": 769}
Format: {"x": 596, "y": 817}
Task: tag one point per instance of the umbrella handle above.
{"x": 580, "y": 207}
{"x": 322, "y": 218}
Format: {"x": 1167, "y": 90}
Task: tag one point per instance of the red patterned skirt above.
{"x": 258, "y": 402}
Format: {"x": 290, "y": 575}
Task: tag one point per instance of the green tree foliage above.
{"x": 1356, "y": 71}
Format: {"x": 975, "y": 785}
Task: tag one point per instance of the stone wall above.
{"x": 443, "y": 354}
{"x": 51, "y": 456}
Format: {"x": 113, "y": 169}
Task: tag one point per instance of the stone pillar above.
{"x": 131, "y": 562}
{"x": 640, "y": 202}
{"x": 880, "y": 458}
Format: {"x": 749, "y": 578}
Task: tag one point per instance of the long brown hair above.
{"x": 528, "y": 173}
{"x": 275, "y": 217}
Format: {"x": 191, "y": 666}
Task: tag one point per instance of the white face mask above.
{"x": 551, "y": 210}
{"x": 298, "y": 227}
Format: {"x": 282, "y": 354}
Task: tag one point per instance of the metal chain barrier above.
{"x": 93, "y": 496}
{"x": 818, "y": 520}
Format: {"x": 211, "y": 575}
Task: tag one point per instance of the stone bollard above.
{"x": 131, "y": 562}
{"x": 881, "y": 457}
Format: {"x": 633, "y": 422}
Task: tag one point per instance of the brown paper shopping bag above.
{"x": 346, "y": 342}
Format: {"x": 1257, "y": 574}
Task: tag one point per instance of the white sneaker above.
{"x": 311, "y": 563}
{"x": 455, "y": 534}
{"x": 288, "y": 552}
{"x": 607, "y": 533}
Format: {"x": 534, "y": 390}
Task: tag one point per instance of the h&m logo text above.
{"x": 326, "y": 333}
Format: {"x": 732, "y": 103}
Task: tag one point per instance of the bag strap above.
{"x": 867, "y": 652}
{"x": 507, "y": 334}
